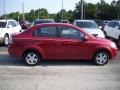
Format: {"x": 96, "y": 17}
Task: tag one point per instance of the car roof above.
{"x": 56, "y": 24}
{"x": 64, "y": 20}
{"x": 4, "y": 20}
{"x": 84, "y": 20}
{"x": 115, "y": 20}
{"x": 43, "y": 19}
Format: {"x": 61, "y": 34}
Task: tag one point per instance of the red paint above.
{"x": 59, "y": 48}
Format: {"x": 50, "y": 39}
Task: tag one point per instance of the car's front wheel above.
{"x": 31, "y": 58}
{"x": 101, "y": 58}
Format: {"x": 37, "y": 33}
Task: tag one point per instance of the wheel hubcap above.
{"x": 6, "y": 41}
{"x": 31, "y": 58}
{"x": 101, "y": 58}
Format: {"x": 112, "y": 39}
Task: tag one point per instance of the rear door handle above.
{"x": 66, "y": 42}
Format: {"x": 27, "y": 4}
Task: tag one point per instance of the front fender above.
{"x": 103, "y": 47}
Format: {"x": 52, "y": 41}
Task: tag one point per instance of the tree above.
{"x": 118, "y": 8}
{"x": 90, "y": 11}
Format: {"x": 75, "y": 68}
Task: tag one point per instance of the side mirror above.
{"x": 86, "y": 38}
{"x": 9, "y": 26}
{"x": 100, "y": 27}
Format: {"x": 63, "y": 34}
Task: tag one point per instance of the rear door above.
{"x": 47, "y": 38}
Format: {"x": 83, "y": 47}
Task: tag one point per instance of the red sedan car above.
{"x": 60, "y": 42}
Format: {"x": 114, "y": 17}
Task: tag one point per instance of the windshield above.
{"x": 3, "y": 24}
{"x": 92, "y": 25}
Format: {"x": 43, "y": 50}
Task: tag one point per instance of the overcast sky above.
{"x": 53, "y": 6}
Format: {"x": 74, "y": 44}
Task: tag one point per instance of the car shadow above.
{"x": 6, "y": 60}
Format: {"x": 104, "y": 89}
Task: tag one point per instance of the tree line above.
{"x": 101, "y": 10}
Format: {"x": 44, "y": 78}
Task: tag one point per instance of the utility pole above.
{"x": 4, "y": 10}
{"x": 84, "y": 10}
{"x": 62, "y": 10}
{"x": 18, "y": 18}
{"x": 23, "y": 11}
{"x": 81, "y": 9}
{"x": 118, "y": 5}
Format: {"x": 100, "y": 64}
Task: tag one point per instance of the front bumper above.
{"x": 114, "y": 53}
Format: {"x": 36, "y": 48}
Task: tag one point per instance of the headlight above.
{"x": 113, "y": 45}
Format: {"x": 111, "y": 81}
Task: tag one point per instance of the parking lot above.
{"x": 57, "y": 75}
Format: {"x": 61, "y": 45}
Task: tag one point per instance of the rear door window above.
{"x": 46, "y": 32}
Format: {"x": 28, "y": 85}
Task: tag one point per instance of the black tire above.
{"x": 118, "y": 42}
{"x": 35, "y": 58}
{"x": 6, "y": 40}
{"x": 101, "y": 58}
{"x": 105, "y": 34}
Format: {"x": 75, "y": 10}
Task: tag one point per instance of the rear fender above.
{"x": 34, "y": 47}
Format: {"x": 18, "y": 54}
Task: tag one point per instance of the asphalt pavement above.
{"x": 57, "y": 75}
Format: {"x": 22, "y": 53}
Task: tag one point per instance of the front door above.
{"x": 73, "y": 44}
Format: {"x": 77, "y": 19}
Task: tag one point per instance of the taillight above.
{"x": 11, "y": 40}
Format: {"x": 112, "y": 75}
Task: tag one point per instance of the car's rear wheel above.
{"x": 101, "y": 58}
{"x": 32, "y": 58}
{"x": 6, "y": 40}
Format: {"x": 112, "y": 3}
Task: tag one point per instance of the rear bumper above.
{"x": 14, "y": 51}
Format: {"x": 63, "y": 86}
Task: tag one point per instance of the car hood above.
{"x": 95, "y": 32}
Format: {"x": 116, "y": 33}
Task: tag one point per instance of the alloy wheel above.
{"x": 101, "y": 58}
{"x": 6, "y": 40}
{"x": 31, "y": 58}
